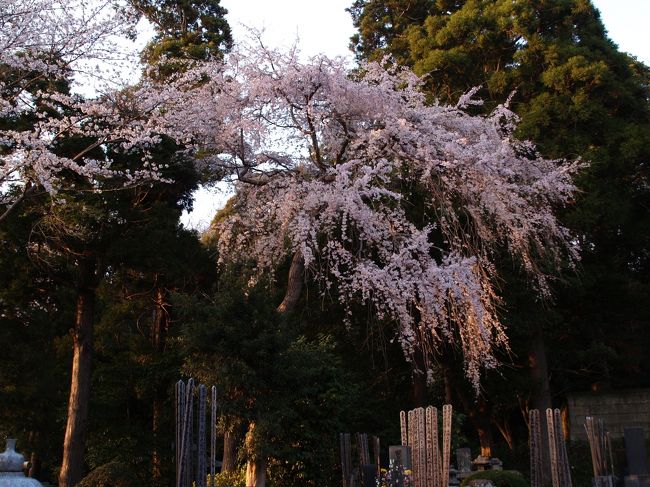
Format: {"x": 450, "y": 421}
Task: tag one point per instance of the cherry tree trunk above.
{"x": 75, "y": 432}
{"x": 294, "y": 284}
{"x": 419, "y": 380}
{"x": 485, "y": 438}
{"x": 478, "y": 412}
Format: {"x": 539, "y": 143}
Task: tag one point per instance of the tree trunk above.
{"x": 229, "y": 461}
{"x": 419, "y": 379}
{"x": 449, "y": 386}
{"x": 256, "y": 467}
{"x": 256, "y": 473}
{"x": 75, "y": 432}
{"x": 34, "y": 458}
{"x": 159, "y": 329}
{"x": 541, "y": 398}
{"x": 479, "y": 413}
{"x": 294, "y": 284}
{"x": 484, "y": 429}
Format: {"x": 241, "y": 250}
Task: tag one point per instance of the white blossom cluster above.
{"x": 334, "y": 166}
{"x": 54, "y": 38}
{"x": 46, "y": 42}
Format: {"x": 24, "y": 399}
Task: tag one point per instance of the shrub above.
{"x": 112, "y": 474}
{"x": 235, "y": 478}
{"x": 500, "y": 478}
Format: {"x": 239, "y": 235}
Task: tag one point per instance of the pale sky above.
{"x": 324, "y": 27}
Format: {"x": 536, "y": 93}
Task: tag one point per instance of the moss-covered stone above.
{"x": 500, "y": 478}
{"x": 113, "y": 474}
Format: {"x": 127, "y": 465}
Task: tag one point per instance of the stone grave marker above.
{"x": 464, "y": 461}
{"x": 400, "y": 455}
{"x": 635, "y": 451}
{"x": 369, "y": 475}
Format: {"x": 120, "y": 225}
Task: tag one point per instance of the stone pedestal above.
{"x": 481, "y": 463}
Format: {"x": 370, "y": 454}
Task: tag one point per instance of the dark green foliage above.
{"x": 35, "y": 310}
{"x": 499, "y": 478}
{"x": 293, "y": 388}
{"x": 113, "y": 474}
{"x": 186, "y": 30}
{"x": 141, "y": 253}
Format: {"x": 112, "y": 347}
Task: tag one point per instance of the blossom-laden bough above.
{"x": 384, "y": 198}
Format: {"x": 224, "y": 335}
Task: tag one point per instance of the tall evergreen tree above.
{"x": 577, "y": 95}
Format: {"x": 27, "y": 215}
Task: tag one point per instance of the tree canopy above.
{"x": 412, "y": 199}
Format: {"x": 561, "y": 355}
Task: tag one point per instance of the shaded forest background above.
{"x": 163, "y": 309}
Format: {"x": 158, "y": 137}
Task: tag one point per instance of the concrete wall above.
{"x": 618, "y": 410}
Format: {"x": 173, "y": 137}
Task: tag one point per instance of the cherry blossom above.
{"x": 331, "y": 167}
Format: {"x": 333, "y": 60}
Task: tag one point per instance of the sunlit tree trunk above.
{"x": 256, "y": 467}
{"x": 75, "y": 432}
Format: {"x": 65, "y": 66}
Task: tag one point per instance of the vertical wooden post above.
{"x": 552, "y": 445}
{"x": 429, "y": 446}
{"x": 421, "y": 454}
{"x": 200, "y": 450}
{"x": 564, "y": 469}
{"x": 213, "y": 435}
{"x": 446, "y": 442}
{"x": 403, "y": 430}
{"x": 180, "y": 412}
{"x": 535, "y": 443}
{"x": 375, "y": 449}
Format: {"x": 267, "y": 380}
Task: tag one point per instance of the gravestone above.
{"x": 464, "y": 460}
{"x": 635, "y": 451}
{"x": 400, "y": 455}
{"x": 369, "y": 475}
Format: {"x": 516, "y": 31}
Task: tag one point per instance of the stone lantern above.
{"x": 11, "y": 468}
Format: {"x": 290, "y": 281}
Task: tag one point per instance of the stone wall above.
{"x": 618, "y": 410}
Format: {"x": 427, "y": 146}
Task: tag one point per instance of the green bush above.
{"x": 236, "y": 478}
{"x": 112, "y": 474}
{"x": 500, "y": 478}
